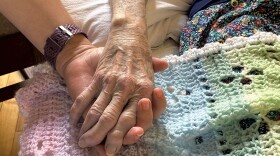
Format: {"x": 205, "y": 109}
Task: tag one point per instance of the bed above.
{"x": 220, "y": 101}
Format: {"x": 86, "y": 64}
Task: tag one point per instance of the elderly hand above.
{"x": 79, "y": 71}
{"x": 124, "y": 75}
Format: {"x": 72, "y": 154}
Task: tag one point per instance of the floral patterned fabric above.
{"x": 226, "y": 20}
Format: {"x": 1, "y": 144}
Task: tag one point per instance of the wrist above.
{"x": 129, "y": 9}
{"x": 57, "y": 41}
{"x": 124, "y": 24}
{"x": 129, "y": 37}
{"x": 129, "y": 14}
{"x": 72, "y": 49}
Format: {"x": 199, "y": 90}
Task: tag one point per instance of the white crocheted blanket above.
{"x": 221, "y": 99}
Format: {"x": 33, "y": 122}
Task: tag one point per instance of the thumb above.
{"x": 159, "y": 64}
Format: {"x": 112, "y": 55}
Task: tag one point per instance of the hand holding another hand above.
{"x": 120, "y": 78}
{"x": 124, "y": 75}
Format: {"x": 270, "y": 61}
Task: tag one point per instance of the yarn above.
{"x": 222, "y": 99}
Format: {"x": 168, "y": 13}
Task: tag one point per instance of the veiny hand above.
{"x": 124, "y": 75}
{"x": 79, "y": 70}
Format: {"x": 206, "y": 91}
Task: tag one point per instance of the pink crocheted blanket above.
{"x": 45, "y": 104}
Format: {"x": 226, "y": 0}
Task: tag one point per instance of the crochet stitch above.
{"x": 221, "y": 99}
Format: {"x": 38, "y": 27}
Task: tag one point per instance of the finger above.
{"x": 109, "y": 84}
{"x": 143, "y": 122}
{"x": 97, "y": 109}
{"x": 99, "y": 106}
{"x": 81, "y": 102}
{"x": 106, "y": 122}
{"x": 159, "y": 64}
{"x": 158, "y": 102}
{"x": 145, "y": 115}
{"x": 126, "y": 121}
{"x": 133, "y": 135}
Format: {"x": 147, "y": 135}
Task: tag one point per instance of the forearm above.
{"x": 36, "y": 19}
{"x": 129, "y": 14}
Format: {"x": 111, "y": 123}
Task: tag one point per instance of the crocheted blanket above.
{"x": 221, "y": 99}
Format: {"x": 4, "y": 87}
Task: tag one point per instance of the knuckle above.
{"x": 134, "y": 100}
{"x": 145, "y": 85}
{"x": 120, "y": 99}
{"x": 99, "y": 75}
{"x": 117, "y": 134}
{"x": 110, "y": 78}
{"x": 80, "y": 99}
{"x": 128, "y": 118}
{"x": 91, "y": 87}
{"x": 126, "y": 82}
{"x": 107, "y": 118}
{"x": 95, "y": 110}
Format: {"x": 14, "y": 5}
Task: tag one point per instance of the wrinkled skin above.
{"x": 123, "y": 76}
{"x": 129, "y": 123}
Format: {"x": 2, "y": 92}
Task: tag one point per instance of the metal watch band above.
{"x": 58, "y": 39}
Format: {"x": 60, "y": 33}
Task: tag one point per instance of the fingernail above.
{"x": 82, "y": 143}
{"x": 139, "y": 135}
{"x": 111, "y": 150}
{"x": 146, "y": 106}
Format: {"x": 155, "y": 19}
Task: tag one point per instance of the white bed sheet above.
{"x": 165, "y": 19}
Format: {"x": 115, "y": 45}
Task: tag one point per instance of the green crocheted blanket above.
{"x": 222, "y": 99}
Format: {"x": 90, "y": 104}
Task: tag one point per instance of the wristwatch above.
{"x": 56, "y": 42}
